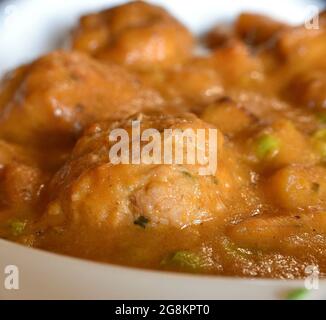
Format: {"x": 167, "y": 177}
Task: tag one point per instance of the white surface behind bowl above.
{"x": 29, "y": 28}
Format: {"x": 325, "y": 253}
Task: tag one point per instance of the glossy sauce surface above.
{"x": 262, "y": 85}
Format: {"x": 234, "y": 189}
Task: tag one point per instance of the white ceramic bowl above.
{"x": 31, "y": 27}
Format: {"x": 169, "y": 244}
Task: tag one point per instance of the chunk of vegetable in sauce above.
{"x": 283, "y": 144}
{"x": 297, "y": 186}
{"x": 185, "y": 260}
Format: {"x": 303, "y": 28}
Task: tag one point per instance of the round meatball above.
{"x": 136, "y": 34}
{"x": 61, "y": 93}
{"x": 91, "y": 190}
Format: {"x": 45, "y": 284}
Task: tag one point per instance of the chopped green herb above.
{"x": 141, "y": 221}
{"x": 297, "y": 294}
{"x": 17, "y": 226}
{"x": 186, "y": 260}
{"x": 319, "y": 142}
{"x": 266, "y": 145}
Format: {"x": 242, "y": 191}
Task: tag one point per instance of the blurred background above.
{"x": 29, "y": 28}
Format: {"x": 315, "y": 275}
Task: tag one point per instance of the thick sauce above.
{"x": 262, "y": 85}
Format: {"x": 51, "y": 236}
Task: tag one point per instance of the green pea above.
{"x": 185, "y": 260}
{"x": 266, "y": 145}
{"x": 297, "y": 294}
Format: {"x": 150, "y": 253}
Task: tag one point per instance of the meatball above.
{"x": 137, "y": 34}
{"x": 90, "y": 190}
{"x": 61, "y": 93}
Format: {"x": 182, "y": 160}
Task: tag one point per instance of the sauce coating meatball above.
{"x": 91, "y": 190}
{"x": 61, "y": 93}
{"x": 71, "y": 183}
